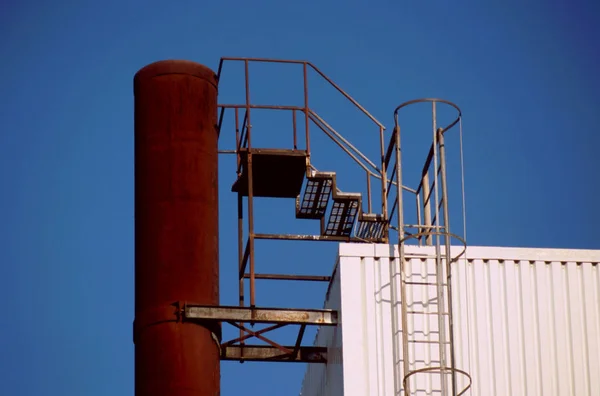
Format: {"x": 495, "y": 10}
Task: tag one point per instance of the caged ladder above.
{"x": 425, "y": 285}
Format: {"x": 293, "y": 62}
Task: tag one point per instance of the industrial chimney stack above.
{"x": 176, "y": 229}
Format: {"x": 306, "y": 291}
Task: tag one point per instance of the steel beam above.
{"x": 322, "y": 317}
{"x": 289, "y": 277}
{"x": 265, "y": 353}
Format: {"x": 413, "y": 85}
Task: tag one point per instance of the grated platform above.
{"x": 343, "y": 214}
{"x": 316, "y": 196}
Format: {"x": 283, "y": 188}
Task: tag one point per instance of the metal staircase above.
{"x": 345, "y": 212}
{"x": 280, "y": 173}
{"x": 289, "y": 173}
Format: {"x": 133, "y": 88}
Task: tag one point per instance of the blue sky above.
{"x": 524, "y": 73}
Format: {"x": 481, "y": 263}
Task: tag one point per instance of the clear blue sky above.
{"x": 524, "y": 73}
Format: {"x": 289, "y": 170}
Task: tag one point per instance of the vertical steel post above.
{"x": 384, "y": 183}
{"x": 446, "y": 212}
{"x": 176, "y": 228}
{"x": 294, "y": 126}
{"x": 427, "y": 205}
{"x": 439, "y": 268}
{"x": 306, "y": 119}
{"x": 240, "y": 200}
{"x": 250, "y": 188}
{"x": 402, "y": 267}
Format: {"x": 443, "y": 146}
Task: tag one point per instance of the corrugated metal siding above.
{"x": 527, "y": 322}
{"x": 327, "y": 379}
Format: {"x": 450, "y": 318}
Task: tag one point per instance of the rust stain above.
{"x": 176, "y": 227}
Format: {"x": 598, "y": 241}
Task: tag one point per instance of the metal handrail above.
{"x": 352, "y": 151}
{"x": 316, "y": 69}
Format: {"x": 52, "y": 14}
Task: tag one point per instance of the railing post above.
{"x": 426, "y": 206}
{"x": 238, "y": 142}
{"x": 306, "y": 119}
{"x": 368, "y": 192}
{"x": 249, "y": 125}
{"x": 384, "y": 184}
{"x": 241, "y": 253}
{"x": 295, "y": 134}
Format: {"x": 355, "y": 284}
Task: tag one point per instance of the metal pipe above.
{"x": 311, "y": 278}
{"x": 393, "y": 292}
{"x": 237, "y": 139}
{"x": 294, "y": 126}
{"x": 439, "y": 267}
{"x": 384, "y": 185}
{"x": 241, "y": 252}
{"x": 340, "y": 145}
{"x": 368, "y": 192}
{"x": 343, "y": 139}
{"x": 249, "y": 125}
{"x": 446, "y": 212}
{"x": 250, "y": 187}
{"x": 251, "y": 229}
{"x": 305, "y": 63}
{"x": 262, "y": 107}
{"x": 176, "y": 196}
{"x": 426, "y": 204}
{"x": 306, "y": 109}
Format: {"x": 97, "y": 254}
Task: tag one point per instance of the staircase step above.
{"x": 343, "y": 214}
{"x": 371, "y": 226}
{"x": 276, "y": 173}
{"x": 316, "y": 196}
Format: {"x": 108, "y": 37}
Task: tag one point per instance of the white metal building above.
{"x": 526, "y": 323}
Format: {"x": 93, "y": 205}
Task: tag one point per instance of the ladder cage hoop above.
{"x": 440, "y": 369}
{"x": 430, "y": 100}
{"x": 440, "y": 233}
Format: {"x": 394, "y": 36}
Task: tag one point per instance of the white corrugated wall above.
{"x": 527, "y": 322}
{"x": 327, "y": 379}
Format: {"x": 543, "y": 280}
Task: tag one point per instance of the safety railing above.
{"x": 244, "y": 129}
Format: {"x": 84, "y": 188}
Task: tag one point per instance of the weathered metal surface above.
{"x": 265, "y": 353}
{"x": 176, "y": 228}
{"x": 262, "y": 315}
{"x": 300, "y": 237}
{"x": 276, "y": 173}
{"x": 290, "y": 277}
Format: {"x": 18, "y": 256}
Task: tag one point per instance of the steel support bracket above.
{"x": 319, "y": 317}
{"x": 266, "y": 353}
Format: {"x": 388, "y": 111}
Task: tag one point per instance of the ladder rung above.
{"x": 425, "y": 284}
{"x": 426, "y": 313}
{"x": 428, "y": 342}
{"x": 423, "y": 257}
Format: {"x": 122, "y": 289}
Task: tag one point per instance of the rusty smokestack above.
{"x": 176, "y": 228}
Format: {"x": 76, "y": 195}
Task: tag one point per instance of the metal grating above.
{"x": 315, "y": 198}
{"x": 371, "y": 227}
{"x": 342, "y": 217}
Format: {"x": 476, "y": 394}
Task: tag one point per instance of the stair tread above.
{"x": 339, "y": 196}
{"x": 371, "y": 226}
{"x": 277, "y": 173}
{"x": 345, "y": 211}
{"x": 315, "y": 198}
{"x": 342, "y": 217}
